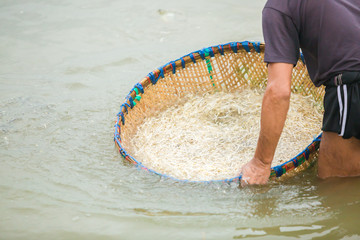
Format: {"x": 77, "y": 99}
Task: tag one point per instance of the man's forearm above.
{"x": 273, "y": 115}
{"x": 274, "y": 110}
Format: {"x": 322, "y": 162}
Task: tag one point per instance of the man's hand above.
{"x": 255, "y": 172}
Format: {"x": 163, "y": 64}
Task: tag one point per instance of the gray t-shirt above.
{"x": 327, "y": 31}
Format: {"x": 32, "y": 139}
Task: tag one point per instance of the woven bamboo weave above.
{"x": 226, "y": 67}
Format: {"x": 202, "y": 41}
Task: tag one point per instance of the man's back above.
{"x": 328, "y": 32}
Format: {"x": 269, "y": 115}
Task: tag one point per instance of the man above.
{"x": 328, "y": 33}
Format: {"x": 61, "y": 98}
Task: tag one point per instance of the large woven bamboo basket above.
{"x": 226, "y": 67}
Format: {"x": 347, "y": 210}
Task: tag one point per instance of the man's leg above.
{"x": 338, "y": 157}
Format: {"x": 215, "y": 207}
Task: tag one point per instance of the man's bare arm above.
{"x": 273, "y": 115}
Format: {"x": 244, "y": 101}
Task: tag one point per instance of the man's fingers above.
{"x": 244, "y": 181}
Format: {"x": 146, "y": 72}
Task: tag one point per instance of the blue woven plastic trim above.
{"x": 246, "y": 46}
{"x": 131, "y": 100}
{"x": 125, "y": 106}
{"x": 279, "y": 169}
{"x": 257, "y": 46}
{"x": 182, "y": 62}
{"x": 202, "y": 54}
{"x": 173, "y": 66}
{"x": 192, "y": 58}
{"x": 235, "y": 46}
{"x": 140, "y": 87}
{"x": 152, "y": 78}
{"x": 221, "y": 49}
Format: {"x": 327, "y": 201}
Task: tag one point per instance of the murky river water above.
{"x": 65, "y": 68}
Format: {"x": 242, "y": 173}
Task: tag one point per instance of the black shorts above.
{"x": 342, "y": 105}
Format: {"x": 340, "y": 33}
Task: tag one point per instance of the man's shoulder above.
{"x": 284, "y": 6}
{"x": 279, "y": 5}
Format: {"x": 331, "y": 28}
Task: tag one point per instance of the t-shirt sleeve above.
{"x": 281, "y": 37}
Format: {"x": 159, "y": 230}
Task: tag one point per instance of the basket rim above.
{"x": 276, "y": 171}
{"x": 193, "y": 57}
